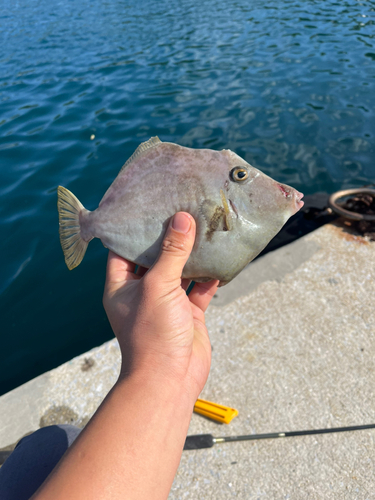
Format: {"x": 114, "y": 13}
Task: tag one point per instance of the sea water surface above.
{"x": 288, "y": 85}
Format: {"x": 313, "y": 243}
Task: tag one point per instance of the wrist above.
{"x": 165, "y": 384}
{"x": 185, "y": 372}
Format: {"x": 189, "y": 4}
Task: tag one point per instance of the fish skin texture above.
{"x": 235, "y": 218}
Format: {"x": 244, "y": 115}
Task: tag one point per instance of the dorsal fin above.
{"x": 151, "y": 143}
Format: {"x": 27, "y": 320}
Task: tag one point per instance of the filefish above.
{"x": 237, "y": 209}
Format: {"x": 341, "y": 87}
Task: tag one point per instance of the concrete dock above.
{"x": 293, "y": 349}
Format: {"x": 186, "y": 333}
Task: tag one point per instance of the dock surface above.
{"x": 293, "y": 349}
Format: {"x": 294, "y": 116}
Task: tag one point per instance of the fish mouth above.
{"x": 292, "y": 193}
{"x": 298, "y": 199}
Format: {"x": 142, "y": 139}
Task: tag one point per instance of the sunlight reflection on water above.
{"x": 289, "y": 86}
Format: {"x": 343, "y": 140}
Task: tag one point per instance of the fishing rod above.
{"x": 200, "y": 441}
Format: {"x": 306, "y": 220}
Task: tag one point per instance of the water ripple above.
{"x": 288, "y": 85}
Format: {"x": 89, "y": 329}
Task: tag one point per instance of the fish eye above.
{"x": 239, "y": 174}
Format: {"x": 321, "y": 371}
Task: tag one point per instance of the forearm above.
{"x": 132, "y": 446}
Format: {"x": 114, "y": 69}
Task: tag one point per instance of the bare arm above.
{"x": 132, "y": 446}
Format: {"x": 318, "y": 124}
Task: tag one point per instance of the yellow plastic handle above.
{"x": 216, "y": 412}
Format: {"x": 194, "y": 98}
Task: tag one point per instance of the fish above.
{"x": 237, "y": 208}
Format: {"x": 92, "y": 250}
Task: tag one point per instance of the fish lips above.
{"x": 294, "y": 195}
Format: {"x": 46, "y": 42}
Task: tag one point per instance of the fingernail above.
{"x": 181, "y": 223}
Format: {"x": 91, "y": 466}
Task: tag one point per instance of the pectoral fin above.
{"x": 218, "y": 218}
{"x": 228, "y": 217}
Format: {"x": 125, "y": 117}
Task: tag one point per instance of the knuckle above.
{"x": 173, "y": 246}
{"x": 151, "y": 286}
{"x": 147, "y": 283}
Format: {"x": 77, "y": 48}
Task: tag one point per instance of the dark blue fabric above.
{"x": 33, "y": 459}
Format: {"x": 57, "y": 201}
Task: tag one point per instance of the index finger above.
{"x": 202, "y": 293}
{"x": 119, "y": 269}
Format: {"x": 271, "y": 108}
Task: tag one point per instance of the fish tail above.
{"x": 72, "y": 242}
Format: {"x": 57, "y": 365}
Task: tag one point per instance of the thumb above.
{"x": 176, "y": 248}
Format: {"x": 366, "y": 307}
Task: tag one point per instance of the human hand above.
{"x": 134, "y": 441}
{"x": 159, "y": 328}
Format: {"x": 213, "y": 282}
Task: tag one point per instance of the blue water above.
{"x": 289, "y": 85}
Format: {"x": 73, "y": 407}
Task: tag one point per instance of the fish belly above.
{"x": 136, "y": 234}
